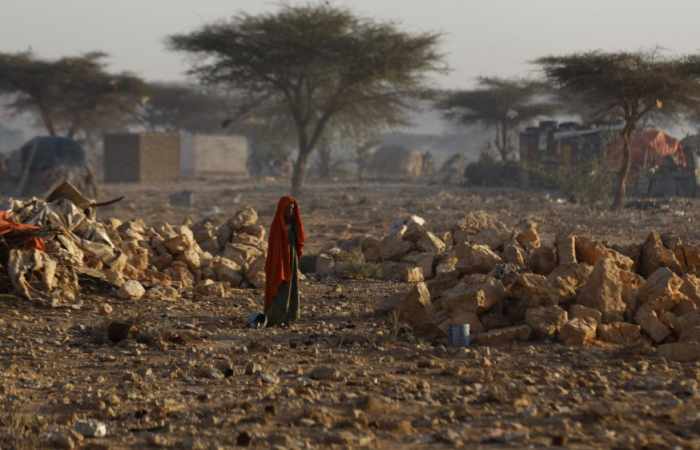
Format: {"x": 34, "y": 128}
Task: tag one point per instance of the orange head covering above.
{"x": 278, "y": 266}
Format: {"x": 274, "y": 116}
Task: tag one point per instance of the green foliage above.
{"x": 487, "y": 172}
{"x": 588, "y": 181}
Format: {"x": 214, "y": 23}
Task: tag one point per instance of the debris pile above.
{"x": 164, "y": 261}
{"x": 509, "y": 286}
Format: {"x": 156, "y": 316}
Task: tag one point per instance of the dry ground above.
{"x": 192, "y": 376}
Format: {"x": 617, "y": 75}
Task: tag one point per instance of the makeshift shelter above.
{"x": 210, "y": 154}
{"x": 45, "y": 162}
{"x": 394, "y": 161}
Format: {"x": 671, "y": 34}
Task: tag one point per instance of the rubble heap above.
{"x": 164, "y": 261}
{"x": 509, "y": 286}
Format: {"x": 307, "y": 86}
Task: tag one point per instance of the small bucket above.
{"x": 458, "y": 335}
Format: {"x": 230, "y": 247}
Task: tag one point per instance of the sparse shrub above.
{"x": 487, "y": 172}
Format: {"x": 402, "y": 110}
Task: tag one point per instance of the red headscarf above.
{"x": 278, "y": 266}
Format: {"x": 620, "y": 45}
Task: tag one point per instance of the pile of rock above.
{"x": 160, "y": 262}
{"x": 409, "y": 253}
{"x": 509, "y": 286}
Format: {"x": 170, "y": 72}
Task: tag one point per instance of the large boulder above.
{"x": 591, "y": 252}
{"x": 503, "y": 336}
{"x": 620, "y": 333}
{"x": 569, "y": 279}
{"x": 535, "y": 290}
{"x": 417, "y": 310}
{"x": 546, "y": 321}
{"x": 476, "y": 258}
{"x": 578, "y": 332}
{"x": 426, "y": 262}
{"x": 542, "y": 260}
{"x": 655, "y": 255}
{"x": 474, "y": 297}
{"x": 610, "y": 290}
{"x": 394, "y": 248}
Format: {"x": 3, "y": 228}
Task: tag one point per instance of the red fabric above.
{"x": 648, "y": 149}
{"x": 278, "y": 266}
{"x": 19, "y": 233}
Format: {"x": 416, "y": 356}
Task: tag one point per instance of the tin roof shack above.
{"x": 550, "y": 147}
{"x": 134, "y": 158}
{"x": 203, "y": 155}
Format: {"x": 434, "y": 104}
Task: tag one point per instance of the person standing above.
{"x": 285, "y": 246}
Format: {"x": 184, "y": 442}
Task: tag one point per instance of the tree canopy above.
{"x": 320, "y": 61}
{"x": 70, "y": 94}
{"x": 629, "y": 86}
{"x": 501, "y": 104}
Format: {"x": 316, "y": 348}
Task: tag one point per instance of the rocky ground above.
{"x": 192, "y": 376}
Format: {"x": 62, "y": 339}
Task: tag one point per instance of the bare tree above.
{"x": 630, "y": 86}
{"x": 320, "y": 61}
{"x": 501, "y": 104}
{"x": 70, "y": 94}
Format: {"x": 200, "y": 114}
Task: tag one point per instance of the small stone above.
{"x": 106, "y": 309}
{"x": 244, "y": 439}
{"x": 253, "y": 368}
{"x": 269, "y": 378}
{"x": 131, "y": 290}
{"x": 324, "y": 374}
{"x": 61, "y": 441}
{"x": 118, "y": 331}
{"x": 91, "y": 428}
{"x": 584, "y": 312}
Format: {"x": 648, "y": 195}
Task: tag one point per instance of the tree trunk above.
{"x": 502, "y": 141}
{"x": 624, "y": 170}
{"x": 324, "y": 154}
{"x": 48, "y": 123}
{"x": 299, "y": 171}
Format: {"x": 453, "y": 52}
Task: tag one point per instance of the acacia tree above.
{"x": 501, "y": 104}
{"x": 631, "y": 86}
{"x": 69, "y": 94}
{"x": 179, "y": 106}
{"x": 319, "y": 60}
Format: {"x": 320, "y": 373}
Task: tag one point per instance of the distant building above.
{"x": 660, "y": 166}
{"x": 157, "y": 157}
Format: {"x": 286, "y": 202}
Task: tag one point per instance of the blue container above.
{"x": 458, "y": 335}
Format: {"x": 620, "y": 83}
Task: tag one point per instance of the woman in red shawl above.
{"x": 285, "y": 246}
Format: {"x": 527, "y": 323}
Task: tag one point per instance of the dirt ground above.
{"x": 194, "y": 377}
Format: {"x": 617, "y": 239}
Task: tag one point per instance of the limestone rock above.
{"x": 394, "y": 248}
{"x": 681, "y": 351}
{"x": 542, "y": 260}
{"x": 620, "y": 333}
{"x": 504, "y": 335}
{"x": 578, "y": 332}
{"x": 131, "y": 290}
{"x": 566, "y": 249}
{"x": 535, "y": 290}
{"x": 529, "y": 237}
{"x": 514, "y": 254}
{"x": 429, "y": 243}
{"x": 608, "y": 290}
{"x": 476, "y": 258}
{"x": 417, "y": 310}
{"x": 228, "y": 271}
{"x": 652, "y": 325}
{"x": 584, "y": 312}
{"x": 655, "y": 256}
{"x": 569, "y": 279}
{"x": 425, "y": 261}
{"x": 244, "y": 218}
{"x": 546, "y": 321}
{"x": 661, "y": 291}
{"x": 474, "y": 298}
{"x": 255, "y": 274}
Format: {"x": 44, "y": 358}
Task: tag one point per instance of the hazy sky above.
{"x": 490, "y": 37}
